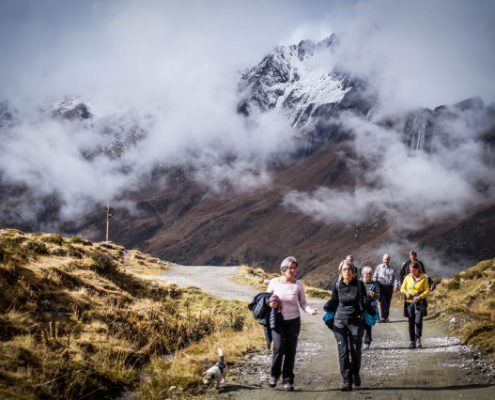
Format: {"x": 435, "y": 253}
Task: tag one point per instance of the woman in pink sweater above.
{"x": 288, "y": 294}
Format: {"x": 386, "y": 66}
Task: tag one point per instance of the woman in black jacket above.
{"x": 348, "y": 302}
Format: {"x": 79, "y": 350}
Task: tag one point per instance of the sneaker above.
{"x": 382, "y": 321}
{"x": 357, "y": 380}
{"x": 412, "y": 345}
{"x": 346, "y": 387}
{"x": 387, "y": 320}
{"x": 418, "y": 343}
{"x": 288, "y": 387}
{"x": 367, "y": 346}
{"x": 272, "y": 381}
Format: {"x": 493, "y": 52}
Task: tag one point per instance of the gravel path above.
{"x": 443, "y": 369}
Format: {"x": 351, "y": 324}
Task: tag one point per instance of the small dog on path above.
{"x": 217, "y": 372}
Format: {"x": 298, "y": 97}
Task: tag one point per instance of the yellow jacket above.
{"x": 415, "y": 287}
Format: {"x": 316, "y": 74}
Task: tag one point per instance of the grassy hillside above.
{"x": 76, "y": 321}
{"x": 467, "y": 302}
{"x": 258, "y": 278}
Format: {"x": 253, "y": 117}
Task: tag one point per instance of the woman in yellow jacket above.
{"x": 415, "y": 287}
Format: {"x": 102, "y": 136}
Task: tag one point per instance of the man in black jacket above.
{"x": 413, "y": 257}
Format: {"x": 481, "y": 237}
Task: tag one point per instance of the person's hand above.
{"x": 313, "y": 311}
{"x": 409, "y": 295}
{"x": 416, "y": 299}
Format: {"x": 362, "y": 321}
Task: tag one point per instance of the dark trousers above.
{"x": 386, "y": 292}
{"x": 349, "y": 335}
{"x": 367, "y": 334}
{"x": 284, "y": 349}
{"x": 415, "y": 314}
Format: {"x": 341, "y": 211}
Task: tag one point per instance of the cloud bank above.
{"x": 180, "y": 63}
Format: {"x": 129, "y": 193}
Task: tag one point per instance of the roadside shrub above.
{"x": 36, "y": 247}
{"x": 453, "y": 284}
{"x": 54, "y": 238}
{"x": 74, "y": 252}
{"x": 61, "y": 252}
{"x": 103, "y": 263}
{"x": 80, "y": 240}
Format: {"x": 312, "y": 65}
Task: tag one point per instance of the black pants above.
{"x": 349, "y": 335}
{"x": 284, "y": 349}
{"x": 367, "y": 334}
{"x": 386, "y": 292}
{"x": 415, "y": 314}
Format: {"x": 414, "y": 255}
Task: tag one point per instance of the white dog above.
{"x": 217, "y": 372}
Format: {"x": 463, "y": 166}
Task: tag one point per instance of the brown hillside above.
{"x": 77, "y": 322}
{"x": 467, "y": 302}
{"x": 186, "y": 224}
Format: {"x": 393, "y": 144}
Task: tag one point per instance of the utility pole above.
{"x": 109, "y": 217}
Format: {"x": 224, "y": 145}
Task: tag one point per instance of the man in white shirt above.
{"x": 386, "y": 276}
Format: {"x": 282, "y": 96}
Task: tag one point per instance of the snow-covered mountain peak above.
{"x": 71, "y": 108}
{"x": 298, "y": 80}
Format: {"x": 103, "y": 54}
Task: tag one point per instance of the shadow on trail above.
{"x": 440, "y": 346}
{"x": 229, "y": 388}
{"x": 404, "y": 388}
{"x": 391, "y": 322}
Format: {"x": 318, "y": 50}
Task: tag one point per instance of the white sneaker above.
{"x": 289, "y": 387}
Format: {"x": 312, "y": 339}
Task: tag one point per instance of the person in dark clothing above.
{"x": 348, "y": 302}
{"x": 372, "y": 297}
{"x": 406, "y": 265}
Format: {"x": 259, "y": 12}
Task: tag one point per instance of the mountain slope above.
{"x": 77, "y": 321}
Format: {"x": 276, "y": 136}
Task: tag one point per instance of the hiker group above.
{"x": 358, "y": 300}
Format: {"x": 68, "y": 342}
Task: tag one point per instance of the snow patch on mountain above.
{"x": 296, "y": 80}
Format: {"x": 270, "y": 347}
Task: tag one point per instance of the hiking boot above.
{"x": 357, "y": 380}
{"x": 346, "y": 387}
{"x": 288, "y": 387}
{"x": 412, "y": 345}
{"x": 272, "y": 381}
{"x": 418, "y": 343}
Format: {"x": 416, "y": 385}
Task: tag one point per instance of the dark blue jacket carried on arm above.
{"x": 265, "y": 315}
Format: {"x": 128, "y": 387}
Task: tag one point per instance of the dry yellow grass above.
{"x": 77, "y": 322}
{"x": 258, "y": 278}
{"x": 467, "y": 300}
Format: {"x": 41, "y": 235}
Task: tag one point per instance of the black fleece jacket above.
{"x": 349, "y": 302}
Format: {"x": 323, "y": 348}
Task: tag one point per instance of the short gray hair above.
{"x": 286, "y": 263}
{"x": 366, "y": 269}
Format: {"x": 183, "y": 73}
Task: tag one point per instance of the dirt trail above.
{"x": 443, "y": 369}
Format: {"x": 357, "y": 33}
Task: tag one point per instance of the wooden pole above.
{"x": 109, "y": 217}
